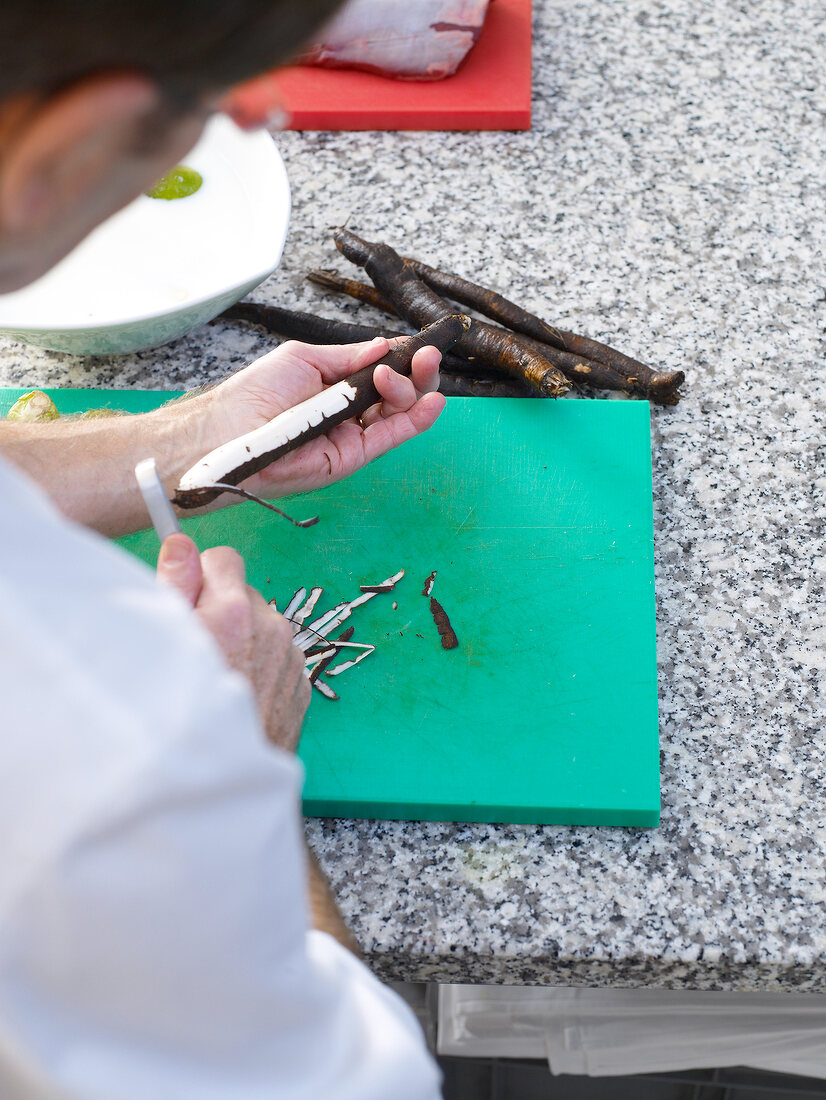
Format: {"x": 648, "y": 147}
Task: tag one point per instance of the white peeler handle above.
{"x": 158, "y": 505}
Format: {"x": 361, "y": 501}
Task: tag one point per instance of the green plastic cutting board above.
{"x": 537, "y": 516}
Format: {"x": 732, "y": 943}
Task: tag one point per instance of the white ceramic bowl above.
{"x": 160, "y": 267}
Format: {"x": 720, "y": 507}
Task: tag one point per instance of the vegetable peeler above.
{"x": 157, "y": 503}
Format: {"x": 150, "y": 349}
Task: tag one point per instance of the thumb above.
{"x": 179, "y": 565}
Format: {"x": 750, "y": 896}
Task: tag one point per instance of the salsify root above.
{"x": 240, "y": 458}
{"x": 658, "y": 386}
{"x": 582, "y": 360}
{"x": 296, "y": 325}
{"x": 535, "y": 354}
{"x": 578, "y": 369}
{"x": 418, "y": 304}
{"x": 331, "y": 280}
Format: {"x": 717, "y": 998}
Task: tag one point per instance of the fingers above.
{"x": 337, "y": 361}
{"x": 425, "y": 369}
{"x": 223, "y": 606}
{"x": 409, "y": 406}
{"x": 179, "y": 565}
{"x": 400, "y": 393}
{"x": 286, "y": 376}
{"x": 282, "y": 689}
{"x": 388, "y": 432}
{"x": 223, "y": 566}
{"x": 255, "y": 640}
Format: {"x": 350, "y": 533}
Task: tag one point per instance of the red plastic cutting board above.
{"x": 492, "y": 90}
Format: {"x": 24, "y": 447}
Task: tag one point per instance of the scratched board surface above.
{"x": 537, "y": 517}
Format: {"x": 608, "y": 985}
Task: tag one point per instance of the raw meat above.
{"x": 407, "y": 39}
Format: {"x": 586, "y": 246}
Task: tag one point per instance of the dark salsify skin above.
{"x": 583, "y": 361}
{"x": 576, "y": 368}
{"x": 313, "y": 638}
{"x": 296, "y": 325}
{"x": 418, "y": 304}
{"x": 224, "y": 467}
{"x": 446, "y": 631}
{"x": 230, "y": 488}
{"x": 331, "y": 280}
{"x": 427, "y": 587}
{"x": 457, "y": 377}
{"x": 658, "y": 386}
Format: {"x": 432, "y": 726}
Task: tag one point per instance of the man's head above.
{"x": 99, "y": 98}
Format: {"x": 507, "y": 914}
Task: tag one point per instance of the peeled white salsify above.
{"x": 279, "y": 432}
{"x": 314, "y": 635}
{"x": 300, "y": 615}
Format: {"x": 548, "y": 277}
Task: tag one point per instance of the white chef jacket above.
{"x": 154, "y": 934}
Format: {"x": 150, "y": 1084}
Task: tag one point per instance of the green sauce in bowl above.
{"x": 177, "y": 184}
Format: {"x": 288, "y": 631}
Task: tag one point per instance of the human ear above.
{"x": 68, "y": 146}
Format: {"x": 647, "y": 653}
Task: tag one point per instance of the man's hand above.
{"x": 253, "y": 637}
{"x": 88, "y": 466}
{"x": 294, "y": 372}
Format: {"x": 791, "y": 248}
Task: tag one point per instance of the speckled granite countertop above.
{"x": 670, "y": 200}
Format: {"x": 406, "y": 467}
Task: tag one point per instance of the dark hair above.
{"x": 189, "y": 47}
